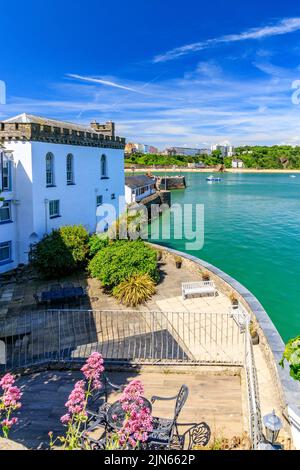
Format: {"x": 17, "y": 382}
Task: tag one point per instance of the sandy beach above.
{"x": 210, "y": 170}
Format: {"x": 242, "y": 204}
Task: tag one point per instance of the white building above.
{"x": 138, "y": 187}
{"x": 182, "y": 151}
{"x": 227, "y": 150}
{"x": 55, "y": 173}
{"x": 237, "y": 163}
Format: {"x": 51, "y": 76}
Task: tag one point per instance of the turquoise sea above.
{"x": 252, "y": 232}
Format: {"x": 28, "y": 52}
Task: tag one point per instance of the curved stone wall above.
{"x": 272, "y": 343}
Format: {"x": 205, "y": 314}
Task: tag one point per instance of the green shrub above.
{"x": 76, "y": 239}
{"x": 292, "y": 356}
{"x": 61, "y": 252}
{"x": 121, "y": 260}
{"x": 96, "y": 243}
{"x": 135, "y": 290}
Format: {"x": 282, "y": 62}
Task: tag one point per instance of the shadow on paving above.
{"x": 43, "y": 403}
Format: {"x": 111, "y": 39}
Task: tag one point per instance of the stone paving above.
{"x": 214, "y": 399}
{"x": 167, "y": 299}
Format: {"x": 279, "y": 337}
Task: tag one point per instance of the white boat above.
{"x": 292, "y": 176}
{"x": 213, "y": 178}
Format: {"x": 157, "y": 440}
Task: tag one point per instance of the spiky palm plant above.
{"x": 135, "y": 290}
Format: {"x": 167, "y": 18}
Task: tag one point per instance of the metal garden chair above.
{"x": 98, "y": 405}
{"x": 164, "y": 430}
{"x": 198, "y": 435}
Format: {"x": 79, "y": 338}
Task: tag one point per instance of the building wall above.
{"x": 132, "y": 196}
{"x": 21, "y": 205}
{"x": 77, "y": 202}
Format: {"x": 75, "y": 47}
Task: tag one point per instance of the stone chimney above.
{"x": 106, "y": 129}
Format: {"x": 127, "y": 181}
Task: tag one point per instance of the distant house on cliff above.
{"x": 196, "y": 165}
{"x": 237, "y": 163}
{"x": 138, "y": 187}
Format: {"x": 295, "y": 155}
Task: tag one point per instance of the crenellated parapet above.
{"x": 13, "y": 131}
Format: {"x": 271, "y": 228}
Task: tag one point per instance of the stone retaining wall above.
{"x": 270, "y": 341}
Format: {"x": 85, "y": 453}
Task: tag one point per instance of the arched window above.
{"x": 70, "y": 169}
{"x": 49, "y": 169}
{"x": 103, "y": 166}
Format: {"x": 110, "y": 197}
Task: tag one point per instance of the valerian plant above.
{"x": 9, "y": 403}
{"x": 137, "y": 423}
{"x": 292, "y": 356}
{"x": 76, "y": 417}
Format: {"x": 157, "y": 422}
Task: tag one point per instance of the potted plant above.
{"x": 253, "y": 332}
{"x": 234, "y": 300}
{"x": 178, "y": 262}
{"x": 205, "y": 276}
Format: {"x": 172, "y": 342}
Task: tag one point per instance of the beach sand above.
{"x": 209, "y": 170}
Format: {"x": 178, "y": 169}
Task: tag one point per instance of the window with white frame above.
{"x": 99, "y": 200}
{"x": 103, "y": 166}
{"x": 5, "y": 252}
{"x": 49, "y": 169}
{"x": 70, "y": 169}
{"x": 6, "y": 174}
{"x": 5, "y": 212}
{"x": 54, "y": 209}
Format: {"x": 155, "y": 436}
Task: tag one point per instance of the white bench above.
{"x": 201, "y": 288}
{"x": 240, "y": 316}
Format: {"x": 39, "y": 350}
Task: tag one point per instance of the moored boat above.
{"x": 213, "y": 178}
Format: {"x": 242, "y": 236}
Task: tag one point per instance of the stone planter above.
{"x": 255, "y": 339}
{"x": 8, "y": 444}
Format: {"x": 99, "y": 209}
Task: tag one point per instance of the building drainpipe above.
{"x": 46, "y": 215}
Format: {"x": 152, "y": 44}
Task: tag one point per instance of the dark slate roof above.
{"x": 138, "y": 181}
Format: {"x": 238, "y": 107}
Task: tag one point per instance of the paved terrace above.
{"x": 216, "y": 400}
{"x": 17, "y": 297}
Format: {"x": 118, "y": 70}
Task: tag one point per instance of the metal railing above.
{"x": 255, "y": 421}
{"x": 123, "y": 337}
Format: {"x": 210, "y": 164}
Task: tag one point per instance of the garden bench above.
{"x": 240, "y": 316}
{"x": 200, "y": 287}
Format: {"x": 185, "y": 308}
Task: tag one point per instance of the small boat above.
{"x": 213, "y": 178}
{"x": 292, "y": 176}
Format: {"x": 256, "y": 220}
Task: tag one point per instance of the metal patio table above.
{"x": 116, "y": 411}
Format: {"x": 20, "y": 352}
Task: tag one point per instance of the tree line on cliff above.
{"x": 260, "y": 157}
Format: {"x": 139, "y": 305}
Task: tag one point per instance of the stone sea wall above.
{"x": 271, "y": 343}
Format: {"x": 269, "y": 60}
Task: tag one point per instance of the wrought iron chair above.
{"x": 88, "y": 442}
{"x": 165, "y": 429}
{"x": 198, "y": 435}
{"x": 98, "y": 405}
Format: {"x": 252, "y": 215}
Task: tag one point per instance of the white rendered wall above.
{"x": 77, "y": 202}
{"x": 22, "y": 215}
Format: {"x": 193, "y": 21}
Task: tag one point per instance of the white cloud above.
{"x": 284, "y": 26}
{"x": 195, "y": 110}
{"x": 103, "y": 82}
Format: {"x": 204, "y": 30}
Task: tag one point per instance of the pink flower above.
{"x": 93, "y": 369}
{"x": 77, "y": 400}
{"x": 65, "y": 419}
{"x": 9, "y": 422}
{"x": 138, "y": 420}
{"x": 11, "y": 397}
{"x": 7, "y": 381}
{"x": 133, "y": 391}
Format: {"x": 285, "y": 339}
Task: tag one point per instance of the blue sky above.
{"x": 167, "y": 72}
